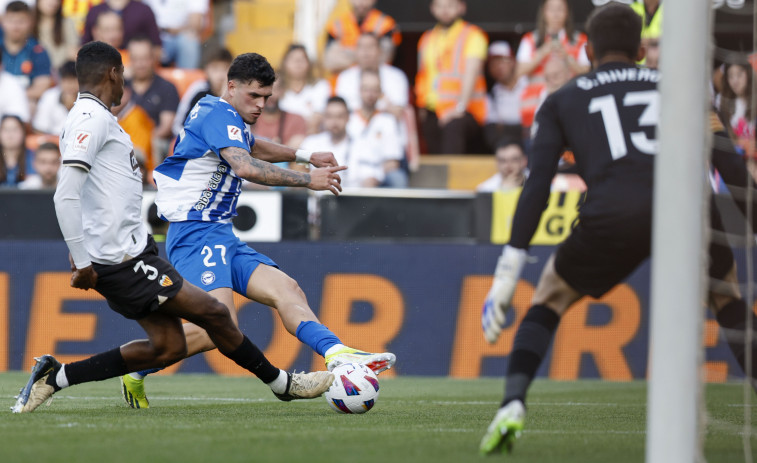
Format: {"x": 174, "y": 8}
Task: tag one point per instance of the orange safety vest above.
{"x": 572, "y": 47}
{"x": 529, "y": 103}
{"x": 532, "y": 94}
{"x": 449, "y": 79}
{"x": 346, "y": 30}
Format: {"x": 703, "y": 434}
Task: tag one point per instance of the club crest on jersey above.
{"x": 165, "y": 281}
{"x": 207, "y": 277}
{"x": 235, "y": 133}
{"x": 81, "y": 140}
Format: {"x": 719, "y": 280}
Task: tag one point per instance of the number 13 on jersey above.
{"x": 613, "y": 122}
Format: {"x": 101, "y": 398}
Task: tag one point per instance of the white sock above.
{"x": 60, "y": 379}
{"x": 279, "y": 385}
{"x": 333, "y": 349}
{"x": 136, "y": 376}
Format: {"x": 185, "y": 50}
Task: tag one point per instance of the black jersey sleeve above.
{"x": 548, "y": 145}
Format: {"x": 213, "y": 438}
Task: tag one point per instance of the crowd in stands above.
{"x": 469, "y": 96}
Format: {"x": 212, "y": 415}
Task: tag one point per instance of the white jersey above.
{"x": 111, "y": 199}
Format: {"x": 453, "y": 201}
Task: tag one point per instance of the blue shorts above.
{"x": 209, "y": 255}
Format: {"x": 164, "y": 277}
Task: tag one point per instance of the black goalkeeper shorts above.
{"x": 603, "y": 250}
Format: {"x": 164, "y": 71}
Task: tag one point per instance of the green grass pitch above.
{"x": 206, "y": 418}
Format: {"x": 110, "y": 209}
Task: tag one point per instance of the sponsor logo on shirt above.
{"x": 235, "y": 133}
{"x": 207, "y": 277}
{"x": 207, "y": 193}
{"x": 81, "y": 140}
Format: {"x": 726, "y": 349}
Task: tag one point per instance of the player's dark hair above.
{"x": 614, "y": 27}
{"x": 251, "y": 67}
{"x": 338, "y": 100}
{"x": 18, "y": 7}
{"x": 67, "y": 69}
{"x": 94, "y": 60}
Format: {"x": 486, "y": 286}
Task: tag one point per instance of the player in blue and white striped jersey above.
{"x": 198, "y": 189}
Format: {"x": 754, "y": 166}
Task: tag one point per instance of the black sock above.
{"x": 732, "y": 318}
{"x": 529, "y": 348}
{"x": 249, "y": 357}
{"x": 99, "y": 367}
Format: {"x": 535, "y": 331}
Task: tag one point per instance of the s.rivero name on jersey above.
{"x": 617, "y": 75}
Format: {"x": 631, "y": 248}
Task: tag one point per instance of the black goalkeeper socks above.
{"x": 529, "y": 348}
{"x": 249, "y": 357}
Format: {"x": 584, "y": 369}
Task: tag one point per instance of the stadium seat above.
{"x": 34, "y": 140}
{"x": 181, "y": 78}
{"x": 454, "y": 172}
{"x": 268, "y": 24}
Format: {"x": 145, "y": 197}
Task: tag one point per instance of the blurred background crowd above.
{"x": 346, "y": 86}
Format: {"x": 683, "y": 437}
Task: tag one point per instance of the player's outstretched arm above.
{"x": 266, "y": 150}
{"x": 547, "y": 148}
{"x": 265, "y": 173}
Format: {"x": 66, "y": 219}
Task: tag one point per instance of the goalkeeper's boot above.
{"x": 376, "y": 362}
{"x": 40, "y": 387}
{"x": 506, "y": 426}
{"x": 133, "y": 391}
{"x": 306, "y": 385}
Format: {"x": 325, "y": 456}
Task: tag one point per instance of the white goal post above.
{"x": 680, "y": 236}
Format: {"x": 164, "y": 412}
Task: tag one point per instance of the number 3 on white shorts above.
{"x": 208, "y": 253}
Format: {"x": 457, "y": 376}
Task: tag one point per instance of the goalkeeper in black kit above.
{"x": 608, "y": 118}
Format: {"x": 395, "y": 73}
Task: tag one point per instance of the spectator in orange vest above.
{"x": 344, "y": 31}
{"x": 450, "y": 86}
{"x": 554, "y": 36}
{"x": 556, "y": 73}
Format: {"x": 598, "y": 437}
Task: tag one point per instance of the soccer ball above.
{"x": 355, "y": 389}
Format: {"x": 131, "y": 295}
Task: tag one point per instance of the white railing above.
{"x": 310, "y": 19}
